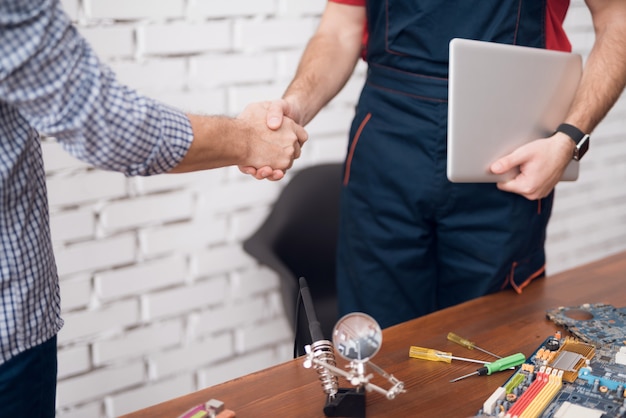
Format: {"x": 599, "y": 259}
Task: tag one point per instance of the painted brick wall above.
{"x": 158, "y": 296}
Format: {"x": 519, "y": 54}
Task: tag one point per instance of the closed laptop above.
{"x": 501, "y": 97}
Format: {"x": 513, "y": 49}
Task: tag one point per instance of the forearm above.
{"x": 328, "y": 60}
{"x": 604, "y": 75}
{"x": 244, "y": 141}
{"x": 322, "y": 73}
{"x": 53, "y": 78}
{"x": 218, "y": 142}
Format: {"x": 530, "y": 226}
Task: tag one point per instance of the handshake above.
{"x": 262, "y": 141}
{"x": 275, "y": 139}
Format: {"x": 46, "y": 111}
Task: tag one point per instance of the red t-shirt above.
{"x": 556, "y": 38}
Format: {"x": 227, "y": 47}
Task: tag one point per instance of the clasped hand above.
{"x": 272, "y": 150}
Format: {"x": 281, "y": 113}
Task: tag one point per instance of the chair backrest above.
{"x": 299, "y": 239}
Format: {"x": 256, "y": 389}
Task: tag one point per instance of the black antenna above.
{"x": 314, "y": 325}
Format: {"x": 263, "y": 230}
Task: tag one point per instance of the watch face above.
{"x": 581, "y": 148}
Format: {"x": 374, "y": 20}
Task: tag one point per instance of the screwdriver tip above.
{"x": 463, "y": 377}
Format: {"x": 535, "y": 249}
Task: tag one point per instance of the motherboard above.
{"x": 599, "y": 324}
{"x": 582, "y": 376}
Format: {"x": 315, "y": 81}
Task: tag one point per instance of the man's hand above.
{"x": 282, "y": 132}
{"x": 244, "y": 141}
{"x": 278, "y": 111}
{"x": 541, "y": 163}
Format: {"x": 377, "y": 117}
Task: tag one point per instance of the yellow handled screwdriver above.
{"x": 435, "y": 355}
{"x": 468, "y": 344}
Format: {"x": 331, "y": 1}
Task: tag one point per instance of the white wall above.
{"x": 158, "y": 296}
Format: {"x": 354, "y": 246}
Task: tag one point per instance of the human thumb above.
{"x": 504, "y": 164}
{"x": 275, "y": 114}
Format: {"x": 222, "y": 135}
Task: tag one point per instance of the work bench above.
{"x": 503, "y": 323}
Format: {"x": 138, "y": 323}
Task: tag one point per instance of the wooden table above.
{"x": 503, "y": 323}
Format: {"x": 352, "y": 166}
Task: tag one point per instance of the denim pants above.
{"x": 28, "y": 382}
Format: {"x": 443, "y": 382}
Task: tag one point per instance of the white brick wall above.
{"x": 133, "y": 399}
{"x": 73, "y": 360}
{"x": 96, "y": 254}
{"x": 112, "y": 41}
{"x": 141, "y": 278}
{"x": 186, "y": 37}
{"x": 81, "y": 325}
{"x": 99, "y": 383}
{"x": 158, "y": 296}
{"x": 232, "y": 8}
{"x": 135, "y": 10}
{"x": 89, "y": 186}
{"x": 138, "y": 342}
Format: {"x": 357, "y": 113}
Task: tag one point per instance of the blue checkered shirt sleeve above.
{"x": 52, "y": 77}
{"x": 52, "y": 83}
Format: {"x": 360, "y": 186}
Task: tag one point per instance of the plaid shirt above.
{"x": 52, "y": 83}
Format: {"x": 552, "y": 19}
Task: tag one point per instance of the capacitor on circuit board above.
{"x": 553, "y": 344}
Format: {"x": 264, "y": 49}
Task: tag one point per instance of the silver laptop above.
{"x": 501, "y": 97}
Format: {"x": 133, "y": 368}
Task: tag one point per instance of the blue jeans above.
{"x": 28, "y": 382}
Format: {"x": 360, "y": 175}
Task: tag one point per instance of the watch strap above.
{"x": 573, "y": 132}
{"x": 580, "y": 138}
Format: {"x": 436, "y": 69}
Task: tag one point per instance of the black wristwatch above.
{"x": 580, "y": 139}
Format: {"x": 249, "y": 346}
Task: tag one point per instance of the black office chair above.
{"x": 298, "y": 239}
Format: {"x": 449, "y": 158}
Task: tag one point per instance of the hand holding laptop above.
{"x": 541, "y": 163}
{"x": 503, "y": 102}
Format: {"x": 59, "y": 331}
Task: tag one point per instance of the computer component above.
{"x": 573, "y": 377}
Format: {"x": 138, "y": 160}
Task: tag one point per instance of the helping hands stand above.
{"x": 357, "y": 337}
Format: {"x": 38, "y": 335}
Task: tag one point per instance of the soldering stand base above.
{"x": 346, "y": 403}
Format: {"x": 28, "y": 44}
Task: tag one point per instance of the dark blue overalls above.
{"x": 410, "y": 241}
